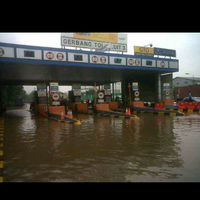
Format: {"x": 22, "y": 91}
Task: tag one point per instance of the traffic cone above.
{"x": 128, "y": 112}
{"x": 62, "y": 116}
{"x": 69, "y": 114}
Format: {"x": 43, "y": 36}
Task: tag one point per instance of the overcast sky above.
{"x": 187, "y": 46}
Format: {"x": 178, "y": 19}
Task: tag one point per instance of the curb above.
{"x": 1, "y": 147}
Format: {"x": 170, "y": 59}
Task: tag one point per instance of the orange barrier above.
{"x": 58, "y": 110}
{"x": 113, "y": 105}
{"x": 82, "y": 107}
{"x": 136, "y": 104}
{"x": 73, "y": 106}
{"x": 103, "y": 107}
{"x": 41, "y": 109}
{"x": 167, "y": 102}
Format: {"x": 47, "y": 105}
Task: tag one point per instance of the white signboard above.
{"x": 173, "y": 64}
{"x": 115, "y": 41}
{"x": 162, "y": 64}
{"x": 148, "y": 63}
{"x": 29, "y": 54}
{"x": 77, "y": 92}
{"x": 96, "y": 59}
{"x": 41, "y": 93}
{"x": 107, "y": 92}
{"x": 78, "y": 57}
{"x": 6, "y": 52}
{"x": 133, "y": 61}
{"x": 89, "y": 44}
{"x": 54, "y": 55}
{"x": 100, "y": 100}
{"x": 56, "y": 103}
{"x": 117, "y": 60}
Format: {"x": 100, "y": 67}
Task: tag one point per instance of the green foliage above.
{"x": 10, "y": 92}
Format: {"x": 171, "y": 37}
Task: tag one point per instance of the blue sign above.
{"x": 54, "y": 88}
{"x": 135, "y": 86}
{"x": 164, "y": 52}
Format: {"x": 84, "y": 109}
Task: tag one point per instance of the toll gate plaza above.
{"x": 33, "y": 65}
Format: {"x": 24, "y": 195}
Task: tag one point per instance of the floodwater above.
{"x": 101, "y": 149}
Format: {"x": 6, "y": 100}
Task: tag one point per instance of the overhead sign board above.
{"x": 143, "y": 51}
{"x": 164, "y": 52}
{"x": 115, "y": 41}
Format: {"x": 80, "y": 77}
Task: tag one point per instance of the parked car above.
{"x": 195, "y": 99}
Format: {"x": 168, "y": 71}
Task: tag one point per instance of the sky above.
{"x": 187, "y": 46}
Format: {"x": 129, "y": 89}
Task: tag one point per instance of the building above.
{"x": 186, "y": 81}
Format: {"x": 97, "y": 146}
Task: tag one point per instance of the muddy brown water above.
{"x": 101, "y": 149}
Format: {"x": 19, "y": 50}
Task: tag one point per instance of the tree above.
{"x": 10, "y": 93}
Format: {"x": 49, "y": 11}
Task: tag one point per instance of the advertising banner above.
{"x": 143, "y": 51}
{"x": 164, "y": 52}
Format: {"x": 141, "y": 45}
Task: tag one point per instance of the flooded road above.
{"x": 101, "y": 149}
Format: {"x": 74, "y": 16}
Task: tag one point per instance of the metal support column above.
{"x": 159, "y": 87}
{"x": 113, "y": 91}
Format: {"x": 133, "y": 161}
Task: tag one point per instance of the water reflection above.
{"x": 154, "y": 148}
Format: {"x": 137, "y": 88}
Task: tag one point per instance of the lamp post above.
{"x": 192, "y": 75}
{"x": 151, "y": 45}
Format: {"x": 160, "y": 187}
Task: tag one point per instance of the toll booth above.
{"x": 107, "y": 92}
{"x": 40, "y": 98}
